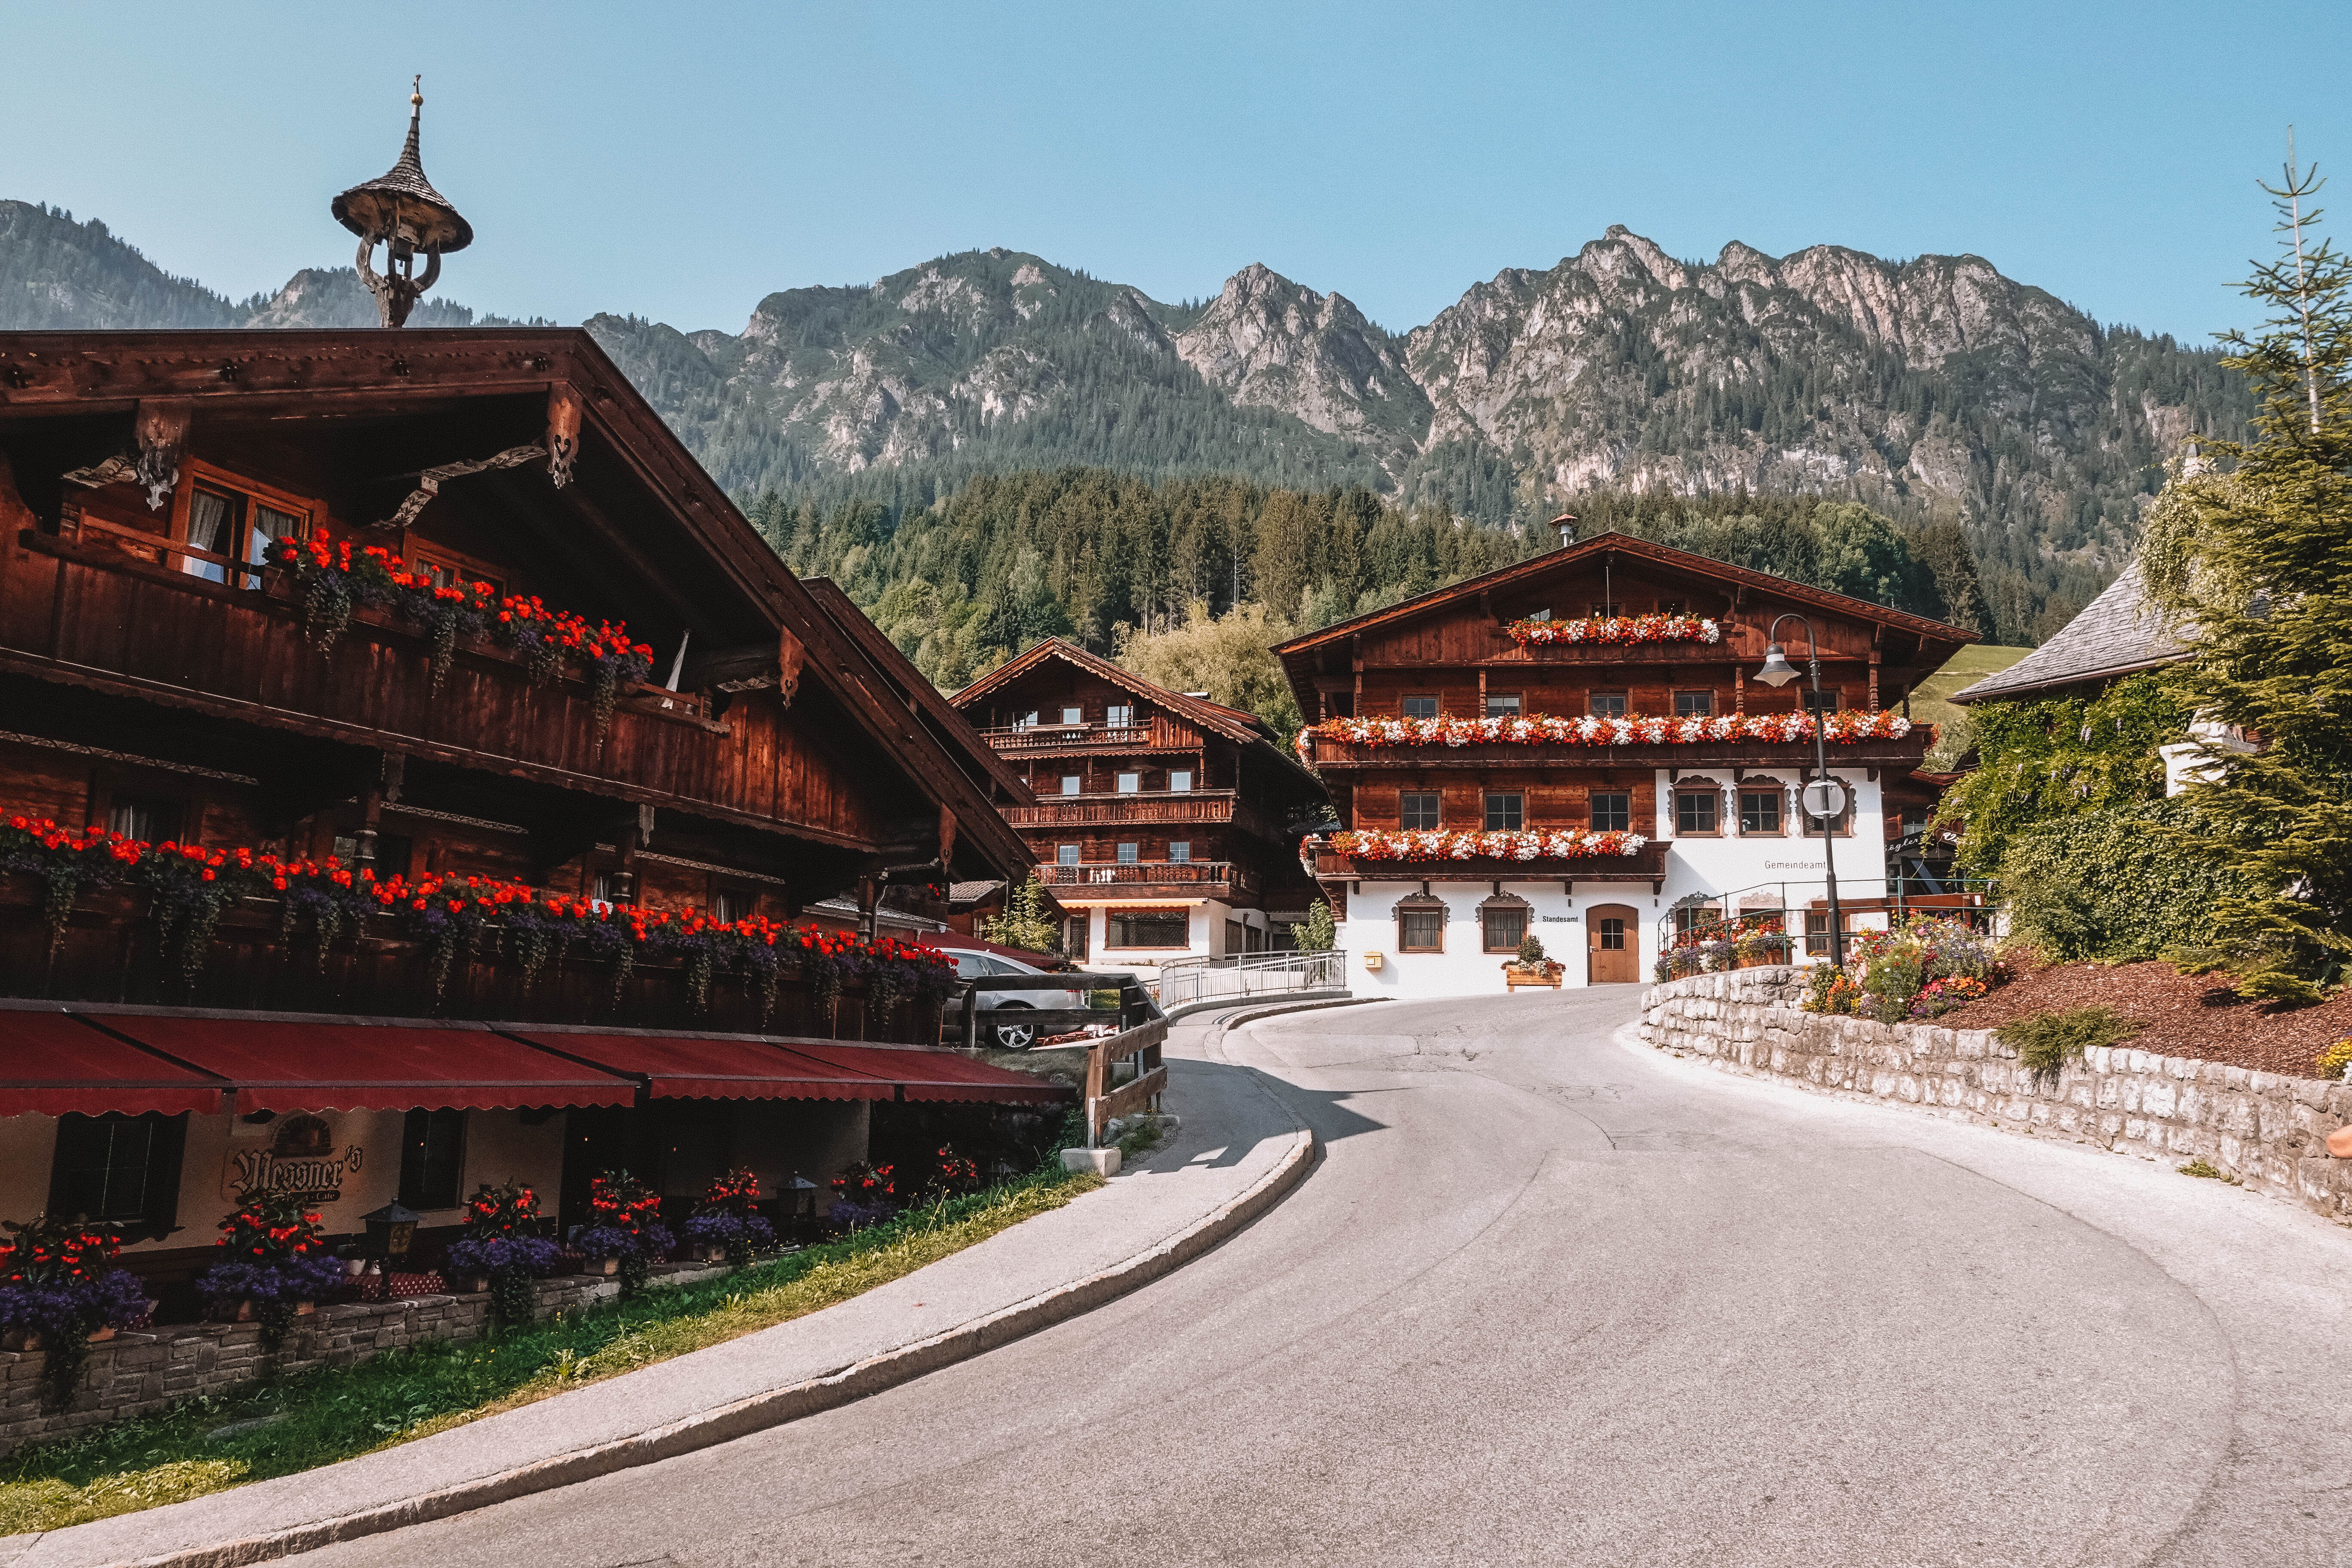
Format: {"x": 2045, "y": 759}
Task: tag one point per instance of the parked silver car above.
{"x": 975, "y": 965}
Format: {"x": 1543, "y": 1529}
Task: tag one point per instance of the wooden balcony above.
{"x": 1161, "y": 734}
{"x": 1904, "y": 754}
{"x": 86, "y": 613}
{"x": 1144, "y": 879}
{"x": 1142, "y": 809}
{"x": 112, "y": 952}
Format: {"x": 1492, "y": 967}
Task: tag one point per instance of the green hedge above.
{"x": 2115, "y": 885}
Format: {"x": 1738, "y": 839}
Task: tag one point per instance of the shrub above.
{"x": 625, "y": 1222}
{"x": 2117, "y": 885}
{"x": 2047, "y": 1042}
{"x": 727, "y": 1218}
{"x": 1531, "y": 952}
{"x": 2336, "y": 1058}
{"x": 1317, "y": 933}
{"x": 56, "y": 1281}
{"x": 275, "y": 1255}
{"x": 1886, "y": 973}
{"x": 503, "y": 1240}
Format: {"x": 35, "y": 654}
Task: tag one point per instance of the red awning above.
{"x": 936, "y": 1075}
{"x": 52, "y": 1063}
{"x": 278, "y": 1065}
{"x": 677, "y": 1068}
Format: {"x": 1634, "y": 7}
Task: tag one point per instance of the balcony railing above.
{"x": 1141, "y": 808}
{"x": 1151, "y": 874}
{"x": 1156, "y": 734}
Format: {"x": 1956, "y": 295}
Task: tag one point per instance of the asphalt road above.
{"x": 1551, "y": 1299}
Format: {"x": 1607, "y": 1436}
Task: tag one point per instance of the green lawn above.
{"x": 1931, "y": 699}
{"x": 330, "y": 1414}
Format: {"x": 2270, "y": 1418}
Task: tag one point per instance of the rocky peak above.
{"x": 1273, "y": 343}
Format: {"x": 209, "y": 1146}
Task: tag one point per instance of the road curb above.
{"x": 1186, "y": 1009}
{"x": 1276, "y": 1010}
{"x": 777, "y": 1406}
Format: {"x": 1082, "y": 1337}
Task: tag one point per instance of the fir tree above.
{"x": 2258, "y": 561}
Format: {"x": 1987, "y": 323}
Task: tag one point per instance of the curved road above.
{"x": 1551, "y": 1297}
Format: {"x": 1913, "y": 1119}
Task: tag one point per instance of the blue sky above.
{"x": 680, "y": 161}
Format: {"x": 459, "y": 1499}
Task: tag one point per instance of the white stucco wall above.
{"x": 1768, "y": 868}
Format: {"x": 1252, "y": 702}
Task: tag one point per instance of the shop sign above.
{"x": 302, "y": 1160}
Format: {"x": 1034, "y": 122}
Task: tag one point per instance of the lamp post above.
{"x": 1778, "y": 671}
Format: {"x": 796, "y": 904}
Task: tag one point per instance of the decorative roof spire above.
{"x": 401, "y": 211}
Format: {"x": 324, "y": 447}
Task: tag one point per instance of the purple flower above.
{"x": 307, "y": 1276}
{"x": 611, "y": 1241}
{"x": 533, "y": 1254}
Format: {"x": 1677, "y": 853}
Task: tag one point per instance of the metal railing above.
{"x": 1189, "y": 980}
{"x": 1791, "y": 909}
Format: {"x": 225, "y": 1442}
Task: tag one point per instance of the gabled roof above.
{"x": 1214, "y": 716}
{"x": 679, "y": 540}
{"x": 942, "y": 718}
{"x": 1536, "y": 568}
{"x": 2117, "y": 634}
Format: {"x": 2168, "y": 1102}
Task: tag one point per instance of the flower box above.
{"x": 247, "y": 1312}
{"x": 607, "y": 1266}
{"x": 469, "y": 1284}
{"x": 1546, "y": 974}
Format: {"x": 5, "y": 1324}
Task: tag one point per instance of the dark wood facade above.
{"x": 1142, "y": 795}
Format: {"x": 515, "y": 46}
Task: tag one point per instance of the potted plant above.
{"x": 625, "y": 1229}
{"x": 504, "y": 1249}
{"x": 727, "y": 1223}
{"x": 274, "y": 1267}
{"x": 1531, "y": 967}
{"x": 60, "y": 1295}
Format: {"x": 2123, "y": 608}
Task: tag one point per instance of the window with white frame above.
{"x": 1130, "y": 783}
{"x": 1180, "y": 781}
{"x": 1069, "y": 783}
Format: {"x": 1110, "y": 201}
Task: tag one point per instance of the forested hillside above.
{"x": 1093, "y": 555}
{"x": 1620, "y": 383}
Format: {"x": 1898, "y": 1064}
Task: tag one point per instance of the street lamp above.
{"x": 1778, "y": 671}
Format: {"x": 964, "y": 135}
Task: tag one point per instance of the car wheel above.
{"x": 1015, "y": 1036}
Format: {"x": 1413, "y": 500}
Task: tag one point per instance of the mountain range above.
{"x": 1930, "y": 388}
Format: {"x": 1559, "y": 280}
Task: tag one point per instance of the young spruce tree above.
{"x": 2258, "y": 562}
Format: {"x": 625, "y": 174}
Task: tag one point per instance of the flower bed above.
{"x": 1920, "y": 969}
{"x": 456, "y": 916}
{"x": 1615, "y": 629}
{"x": 1559, "y": 843}
{"x": 1741, "y": 942}
{"x": 1845, "y": 727}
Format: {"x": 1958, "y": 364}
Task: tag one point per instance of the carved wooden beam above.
{"x": 162, "y": 425}
{"x": 562, "y": 432}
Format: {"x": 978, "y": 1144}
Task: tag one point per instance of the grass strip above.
{"x": 327, "y": 1413}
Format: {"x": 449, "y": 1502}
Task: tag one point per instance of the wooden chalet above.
{"x": 1161, "y": 821}
{"x": 1574, "y": 746}
{"x": 508, "y": 903}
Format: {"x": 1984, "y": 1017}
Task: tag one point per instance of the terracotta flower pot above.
{"x": 611, "y": 1266}
{"x": 470, "y": 1283}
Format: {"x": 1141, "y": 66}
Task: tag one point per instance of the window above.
{"x": 602, "y": 889}
{"x": 1612, "y": 811}
{"x": 1027, "y": 721}
{"x": 1611, "y": 933}
{"x": 432, "y": 1159}
{"x": 1120, "y": 713}
{"x": 1670, "y": 607}
{"x": 212, "y": 524}
{"x": 1236, "y": 937}
{"x": 1074, "y": 715}
{"x": 148, "y": 819}
{"x": 1069, "y": 783}
{"x": 1605, "y": 704}
{"x": 1695, "y": 811}
{"x": 121, "y": 1168}
{"x": 1417, "y": 810}
{"x": 1075, "y": 930}
{"x": 1180, "y": 781}
{"x": 1065, "y": 854}
{"x": 1760, "y": 811}
{"x": 1421, "y": 930}
{"x": 1505, "y": 928}
{"x": 1127, "y": 854}
{"x": 1180, "y": 850}
{"x": 1817, "y": 936}
{"x": 1502, "y": 705}
{"x": 1694, "y": 704}
{"x": 1825, "y": 702}
{"x": 1149, "y": 928}
{"x": 1692, "y": 917}
{"x": 1505, "y": 813}
{"x": 1130, "y": 783}
{"x": 392, "y": 852}
{"x": 726, "y": 907}
{"x": 1419, "y": 708}
{"x": 1601, "y": 612}
{"x": 1812, "y": 827}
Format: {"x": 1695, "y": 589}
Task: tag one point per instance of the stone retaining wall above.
{"x": 2267, "y": 1130}
{"x": 138, "y": 1373}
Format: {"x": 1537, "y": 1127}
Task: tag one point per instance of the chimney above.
{"x": 1566, "y": 523}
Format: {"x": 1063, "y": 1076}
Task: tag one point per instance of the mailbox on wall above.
{"x": 1373, "y": 961}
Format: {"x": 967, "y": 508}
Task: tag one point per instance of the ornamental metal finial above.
{"x": 401, "y": 211}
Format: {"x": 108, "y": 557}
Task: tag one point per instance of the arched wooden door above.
{"x": 1612, "y": 947}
